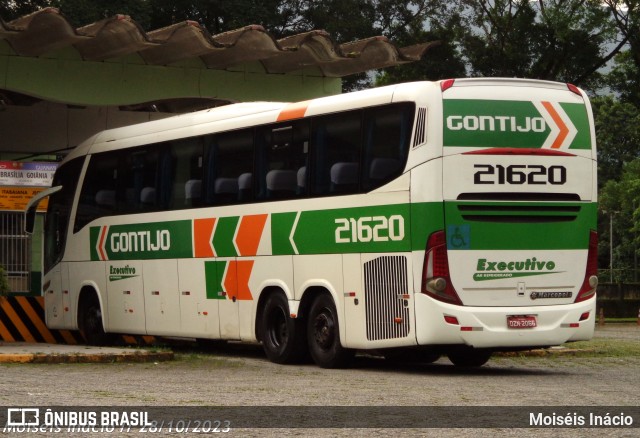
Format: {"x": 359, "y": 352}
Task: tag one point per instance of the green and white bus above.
{"x": 424, "y": 219}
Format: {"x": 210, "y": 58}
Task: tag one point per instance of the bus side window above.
{"x": 139, "y": 184}
{"x": 387, "y": 135}
{"x": 283, "y": 151}
{"x": 336, "y": 151}
{"x": 98, "y": 194}
{"x": 185, "y": 173}
{"x": 228, "y": 164}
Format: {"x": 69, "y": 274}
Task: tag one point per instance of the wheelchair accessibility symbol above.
{"x": 459, "y": 236}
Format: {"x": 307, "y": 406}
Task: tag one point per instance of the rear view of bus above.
{"x": 514, "y": 265}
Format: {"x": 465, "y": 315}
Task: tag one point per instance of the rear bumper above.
{"x": 486, "y": 327}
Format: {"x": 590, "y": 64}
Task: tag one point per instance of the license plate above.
{"x": 521, "y": 321}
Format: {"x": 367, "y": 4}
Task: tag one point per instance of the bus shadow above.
{"x": 366, "y": 362}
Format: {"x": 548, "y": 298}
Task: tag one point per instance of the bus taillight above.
{"x": 590, "y": 282}
{"x": 436, "y": 281}
{"x": 446, "y": 84}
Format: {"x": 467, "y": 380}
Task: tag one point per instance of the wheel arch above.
{"x": 266, "y": 292}
{"x": 86, "y": 292}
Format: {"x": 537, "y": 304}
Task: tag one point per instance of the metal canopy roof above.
{"x": 48, "y": 30}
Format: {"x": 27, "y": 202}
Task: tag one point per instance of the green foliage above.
{"x": 624, "y": 78}
{"x": 10, "y": 10}
{"x": 561, "y": 40}
{"x": 620, "y": 203}
{"x": 618, "y": 135}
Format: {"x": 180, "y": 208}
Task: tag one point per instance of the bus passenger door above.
{"x": 161, "y": 297}
{"x": 198, "y": 305}
{"x": 54, "y": 297}
{"x": 126, "y": 297}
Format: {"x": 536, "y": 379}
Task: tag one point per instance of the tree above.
{"x": 10, "y": 10}
{"x": 437, "y": 21}
{"x": 624, "y": 78}
{"x": 620, "y": 202}
{"x": 562, "y": 40}
{"x": 617, "y": 126}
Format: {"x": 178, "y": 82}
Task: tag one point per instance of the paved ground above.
{"x": 22, "y": 352}
{"x": 241, "y": 376}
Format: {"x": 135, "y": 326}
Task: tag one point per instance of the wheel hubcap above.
{"x": 324, "y": 330}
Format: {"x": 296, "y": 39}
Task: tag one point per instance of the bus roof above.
{"x": 203, "y": 122}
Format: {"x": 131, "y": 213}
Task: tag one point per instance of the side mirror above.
{"x": 32, "y": 205}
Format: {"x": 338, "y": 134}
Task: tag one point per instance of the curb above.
{"x": 137, "y": 357}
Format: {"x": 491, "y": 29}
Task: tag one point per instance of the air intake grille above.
{"x": 421, "y": 127}
{"x": 385, "y": 284}
{"x": 533, "y": 213}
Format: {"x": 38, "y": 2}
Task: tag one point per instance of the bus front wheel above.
{"x": 283, "y": 337}
{"x": 90, "y": 321}
{"x": 323, "y": 335}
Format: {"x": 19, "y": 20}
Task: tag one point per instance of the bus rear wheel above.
{"x": 90, "y": 321}
{"x": 469, "y": 357}
{"x": 323, "y": 335}
{"x": 283, "y": 337}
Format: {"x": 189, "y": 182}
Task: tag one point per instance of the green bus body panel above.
{"x": 223, "y": 236}
{"x": 316, "y": 232}
{"x": 506, "y": 123}
{"x": 307, "y": 232}
{"x": 144, "y": 241}
{"x": 518, "y": 229}
{"x": 426, "y": 219}
{"x": 214, "y": 273}
{"x": 281, "y": 226}
{"x": 371, "y": 229}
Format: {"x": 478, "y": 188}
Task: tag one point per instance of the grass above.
{"x": 209, "y": 360}
{"x": 603, "y": 347}
{"x": 621, "y": 320}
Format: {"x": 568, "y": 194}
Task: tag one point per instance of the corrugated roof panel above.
{"x": 112, "y": 37}
{"x": 249, "y": 43}
{"x": 39, "y": 33}
{"x": 47, "y": 30}
{"x": 178, "y": 42}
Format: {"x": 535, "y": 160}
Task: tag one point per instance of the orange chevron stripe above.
{"x": 244, "y": 274}
{"x": 249, "y": 234}
{"x": 230, "y": 280}
{"x": 293, "y": 111}
{"x": 236, "y": 280}
{"x": 564, "y": 130}
{"x": 202, "y": 232}
{"x": 101, "y": 244}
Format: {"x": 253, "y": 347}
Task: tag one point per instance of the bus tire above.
{"x": 90, "y": 321}
{"x": 283, "y": 338}
{"x": 469, "y": 357}
{"x": 323, "y": 335}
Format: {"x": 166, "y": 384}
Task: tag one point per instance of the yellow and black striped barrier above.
{"x": 22, "y": 320}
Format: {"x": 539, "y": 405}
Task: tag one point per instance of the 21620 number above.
{"x": 370, "y": 229}
{"x": 519, "y": 174}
